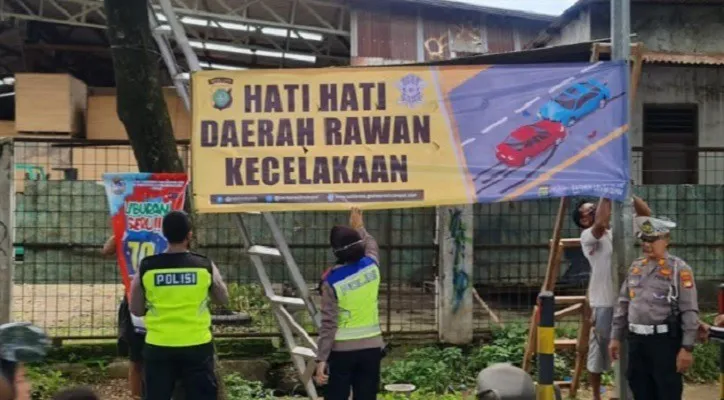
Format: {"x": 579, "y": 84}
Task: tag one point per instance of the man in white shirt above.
{"x": 597, "y": 247}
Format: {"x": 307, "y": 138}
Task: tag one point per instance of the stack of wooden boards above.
{"x": 58, "y": 107}
{"x": 61, "y": 105}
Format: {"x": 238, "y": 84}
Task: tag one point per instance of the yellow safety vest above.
{"x": 177, "y": 295}
{"x": 357, "y": 289}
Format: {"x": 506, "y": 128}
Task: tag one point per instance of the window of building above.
{"x": 670, "y": 138}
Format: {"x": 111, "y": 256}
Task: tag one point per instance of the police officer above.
{"x": 350, "y": 340}
{"x": 658, "y": 306}
{"x": 172, "y": 291}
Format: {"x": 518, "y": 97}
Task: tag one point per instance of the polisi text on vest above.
{"x": 175, "y": 279}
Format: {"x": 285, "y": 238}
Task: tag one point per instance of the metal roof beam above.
{"x": 58, "y": 12}
{"x": 251, "y": 21}
{"x": 20, "y": 9}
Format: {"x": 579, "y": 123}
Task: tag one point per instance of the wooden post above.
{"x": 456, "y": 271}
{"x": 7, "y": 253}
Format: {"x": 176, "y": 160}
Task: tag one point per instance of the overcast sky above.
{"x": 552, "y": 7}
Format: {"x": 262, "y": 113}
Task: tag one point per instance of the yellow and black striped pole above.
{"x": 546, "y": 345}
{"x": 721, "y": 346}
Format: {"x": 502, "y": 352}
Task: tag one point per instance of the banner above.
{"x": 138, "y": 202}
{"x": 407, "y": 136}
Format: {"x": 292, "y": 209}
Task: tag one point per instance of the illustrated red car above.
{"x": 529, "y": 141}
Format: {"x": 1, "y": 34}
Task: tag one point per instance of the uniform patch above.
{"x": 636, "y": 271}
{"x": 631, "y": 293}
{"x": 175, "y": 279}
{"x": 662, "y": 262}
{"x": 665, "y": 271}
{"x": 686, "y": 279}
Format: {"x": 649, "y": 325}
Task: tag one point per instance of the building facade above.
{"x": 678, "y": 115}
{"x": 413, "y": 31}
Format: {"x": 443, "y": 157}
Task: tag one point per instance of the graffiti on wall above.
{"x": 458, "y": 230}
{"x": 435, "y": 47}
{"x": 466, "y": 38}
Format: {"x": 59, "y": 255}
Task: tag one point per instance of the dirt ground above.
{"x": 110, "y": 391}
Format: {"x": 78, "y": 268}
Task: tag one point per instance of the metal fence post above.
{"x": 546, "y": 345}
{"x": 622, "y": 214}
{"x": 721, "y": 346}
{"x": 7, "y": 254}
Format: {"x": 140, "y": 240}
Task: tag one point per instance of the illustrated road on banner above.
{"x": 407, "y": 136}
{"x": 567, "y": 122}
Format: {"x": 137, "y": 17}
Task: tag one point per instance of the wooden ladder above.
{"x": 573, "y": 305}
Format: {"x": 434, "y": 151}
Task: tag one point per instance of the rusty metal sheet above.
{"x": 436, "y": 36}
{"x": 403, "y": 40}
{"x": 373, "y": 33}
{"x": 387, "y": 32}
{"x": 499, "y": 35}
{"x": 480, "y": 9}
{"x": 683, "y": 58}
{"x": 390, "y": 32}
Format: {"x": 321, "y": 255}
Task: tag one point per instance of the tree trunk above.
{"x": 140, "y": 102}
{"x": 141, "y": 106}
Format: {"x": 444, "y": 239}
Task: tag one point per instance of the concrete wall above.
{"x": 674, "y": 28}
{"x": 671, "y": 28}
{"x": 676, "y": 84}
{"x": 575, "y": 31}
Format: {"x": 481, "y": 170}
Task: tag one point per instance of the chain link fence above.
{"x": 64, "y": 285}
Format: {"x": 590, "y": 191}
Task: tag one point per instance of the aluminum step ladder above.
{"x": 301, "y": 347}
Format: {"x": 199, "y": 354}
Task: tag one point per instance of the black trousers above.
{"x": 130, "y": 342}
{"x": 193, "y": 366}
{"x": 356, "y": 370}
{"x": 652, "y": 367}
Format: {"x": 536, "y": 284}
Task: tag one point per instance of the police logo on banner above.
{"x": 411, "y": 89}
{"x": 118, "y": 186}
{"x": 221, "y": 92}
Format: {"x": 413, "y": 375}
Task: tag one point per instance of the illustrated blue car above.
{"x": 577, "y": 101}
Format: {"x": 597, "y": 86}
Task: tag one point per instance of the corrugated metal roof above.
{"x": 683, "y": 58}
{"x": 481, "y": 9}
{"x": 573, "y": 11}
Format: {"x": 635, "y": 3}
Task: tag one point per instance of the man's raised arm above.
{"x": 603, "y": 218}
{"x": 109, "y": 247}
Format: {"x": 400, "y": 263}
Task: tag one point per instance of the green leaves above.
{"x": 45, "y": 382}
{"x": 451, "y": 370}
{"x": 238, "y": 388}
